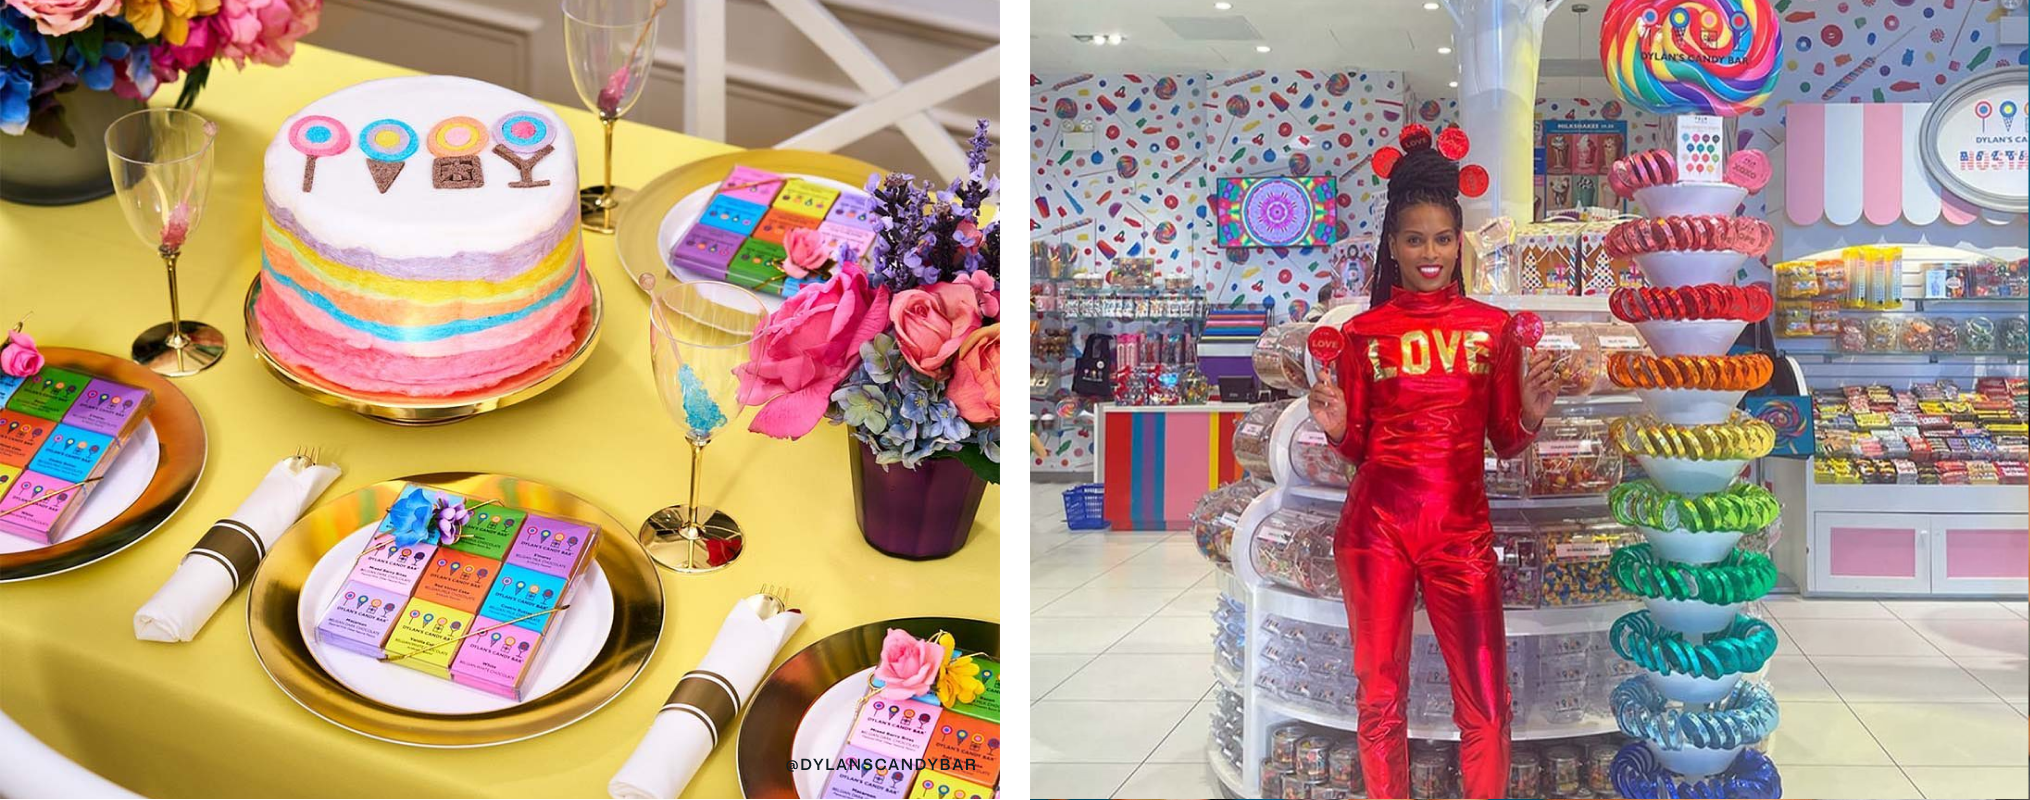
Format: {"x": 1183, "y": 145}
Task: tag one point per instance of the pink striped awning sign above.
{"x": 1845, "y": 162}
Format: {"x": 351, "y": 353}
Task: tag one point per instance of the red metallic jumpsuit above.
{"x": 1427, "y": 376}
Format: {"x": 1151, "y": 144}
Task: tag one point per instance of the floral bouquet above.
{"x": 129, "y": 47}
{"x": 902, "y": 344}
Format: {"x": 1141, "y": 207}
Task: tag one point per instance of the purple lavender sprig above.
{"x": 924, "y": 237}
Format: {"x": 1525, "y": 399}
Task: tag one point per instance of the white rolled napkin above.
{"x": 224, "y": 560}
{"x": 701, "y": 710}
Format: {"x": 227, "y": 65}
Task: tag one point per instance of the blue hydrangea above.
{"x": 701, "y": 412}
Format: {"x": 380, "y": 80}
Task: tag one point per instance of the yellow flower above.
{"x": 959, "y": 681}
{"x": 170, "y": 18}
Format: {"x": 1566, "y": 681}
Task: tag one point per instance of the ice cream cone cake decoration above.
{"x": 456, "y": 143}
{"x": 316, "y": 137}
{"x": 388, "y": 144}
{"x": 524, "y": 139}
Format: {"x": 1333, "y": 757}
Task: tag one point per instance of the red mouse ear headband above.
{"x": 1452, "y": 144}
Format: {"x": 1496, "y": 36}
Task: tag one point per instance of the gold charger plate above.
{"x": 181, "y": 434}
{"x": 272, "y": 621}
{"x": 763, "y": 749}
{"x": 413, "y": 412}
{"x": 642, "y": 216}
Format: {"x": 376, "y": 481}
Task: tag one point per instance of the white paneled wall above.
{"x": 778, "y": 83}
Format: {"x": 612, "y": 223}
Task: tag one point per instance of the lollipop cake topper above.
{"x": 524, "y": 139}
{"x": 388, "y": 144}
{"x": 1452, "y": 144}
{"x": 456, "y": 143}
{"x": 316, "y": 137}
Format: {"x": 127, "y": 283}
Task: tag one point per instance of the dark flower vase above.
{"x": 919, "y": 514}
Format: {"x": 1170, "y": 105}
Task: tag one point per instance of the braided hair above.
{"x": 1422, "y": 176}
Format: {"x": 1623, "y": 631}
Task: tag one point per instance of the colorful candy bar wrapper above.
{"x": 988, "y": 705}
{"x": 729, "y": 214}
{"x": 752, "y": 185}
{"x": 60, "y": 431}
{"x": 863, "y": 774}
{"x": 476, "y": 610}
{"x": 936, "y": 785}
{"x": 8, "y": 385}
{"x": 899, "y": 728}
{"x": 800, "y": 196}
{"x": 966, "y": 747}
{"x": 778, "y": 223}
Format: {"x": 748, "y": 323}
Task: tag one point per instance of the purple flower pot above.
{"x": 919, "y": 514}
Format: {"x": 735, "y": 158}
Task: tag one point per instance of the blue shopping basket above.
{"x": 1083, "y": 509}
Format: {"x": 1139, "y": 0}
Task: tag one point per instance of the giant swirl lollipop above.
{"x": 387, "y": 143}
{"x": 1691, "y": 56}
{"x": 316, "y": 137}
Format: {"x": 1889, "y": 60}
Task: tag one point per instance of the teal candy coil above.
{"x": 1745, "y": 716}
{"x": 1739, "y": 577}
{"x": 1744, "y": 646}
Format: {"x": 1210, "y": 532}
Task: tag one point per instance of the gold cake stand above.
{"x": 274, "y": 626}
{"x": 181, "y": 461}
{"x": 641, "y": 218}
{"x": 762, "y": 752}
{"x": 409, "y": 411}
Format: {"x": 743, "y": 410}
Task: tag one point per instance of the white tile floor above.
{"x": 1890, "y": 699}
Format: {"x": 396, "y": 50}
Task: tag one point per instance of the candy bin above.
{"x": 1214, "y": 518}
{"x": 1252, "y": 435}
{"x": 1313, "y": 458}
{"x": 1575, "y": 357}
{"x": 1515, "y": 549}
{"x": 1576, "y": 556}
{"x": 1279, "y": 357}
{"x": 1571, "y": 457}
{"x": 1293, "y": 548}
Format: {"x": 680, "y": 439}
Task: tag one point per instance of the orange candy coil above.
{"x": 1722, "y": 373}
{"x": 1741, "y": 436}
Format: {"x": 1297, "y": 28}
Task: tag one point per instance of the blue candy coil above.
{"x": 1745, "y": 716}
{"x": 1638, "y": 774}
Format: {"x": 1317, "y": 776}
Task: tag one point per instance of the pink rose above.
{"x": 976, "y": 380}
{"x": 988, "y": 295}
{"x": 58, "y": 17}
{"x": 264, "y": 31}
{"x": 18, "y": 356}
{"x": 909, "y": 666}
{"x": 931, "y": 323}
{"x": 806, "y": 253}
{"x": 806, "y": 347}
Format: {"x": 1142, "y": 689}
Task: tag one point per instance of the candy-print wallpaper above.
{"x": 1136, "y": 183}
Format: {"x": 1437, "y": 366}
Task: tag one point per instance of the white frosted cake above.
{"x": 421, "y": 239}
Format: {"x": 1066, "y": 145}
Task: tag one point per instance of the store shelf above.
{"x": 1546, "y": 621}
{"x": 1589, "y": 726}
{"x": 1565, "y": 501}
{"x": 1969, "y": 305}
{"x": 1898, "y": 498}
{"x": 1221, "y": 674}
{"x": 1545, "y": 302}
{"x": 1229, "y": 775}
{"x": 1324, "y": 494}
{"x": 1612, "y": 399}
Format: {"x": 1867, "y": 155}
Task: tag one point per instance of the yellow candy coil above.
{"x": 1741, "y": 436}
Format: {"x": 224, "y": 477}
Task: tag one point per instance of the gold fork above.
{"x": 778, "y": 600}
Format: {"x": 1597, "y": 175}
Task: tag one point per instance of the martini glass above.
{"x": 161, "y": 163}
{"x": 609, "y": 44}
{"x": 699, "y": 332}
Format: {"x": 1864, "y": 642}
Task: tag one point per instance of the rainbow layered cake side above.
{"x": 420, "y": 238}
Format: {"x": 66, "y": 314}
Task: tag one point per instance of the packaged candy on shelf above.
{"x": 1918, "y": 336}
{"x": 1251, "y": 437}
{"x": 1945, "y": 335}
{"x": 1794, "y": 318}
{"x": 1601, "y": 272}
{"x": 1506, "y": 477}
{"x": 1515, "y": 549}
{"x": 1279, "y": 357}
{"x": 2014, "y": 335}
{"x": 1610, "y": 338}
{"x": 1313, "y": 457}
{"x": 1853, "y": 335}
{"x": 1549, "y": 258}
{"x": 1832, "y": 275}
{"x": 1796, "y": 280}
{"x": 1883, "y": 333}
{"x": 1571, "y": 457}
{"x": 1825, "y": 317}
{"x": 1576, "y": 557}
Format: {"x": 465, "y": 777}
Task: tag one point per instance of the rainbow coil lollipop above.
{"x": 524, "y": 139}
{"x": 1637, "y": 772}
{"x": 1740, "y": 577}
{"x": 1691, "y": 56}
{"x": 316, "y": 137}
{"x": 1743, "y": 646}
{"x": 1740, "y": 437}
{"x": 388, "y": 144}
{"x": 1745, "y": 716}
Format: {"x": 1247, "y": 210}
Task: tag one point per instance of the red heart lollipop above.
{"x": 1326, "y": 343}
{"x": 1529, "y": 328}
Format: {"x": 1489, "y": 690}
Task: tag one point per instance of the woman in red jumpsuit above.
{"x": 1426, "y": 375}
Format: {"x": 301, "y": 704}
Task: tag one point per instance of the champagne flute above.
{"x": 161, "y": 163}
{"x": 609, "y": 44}
{"x": 699, "y": 332}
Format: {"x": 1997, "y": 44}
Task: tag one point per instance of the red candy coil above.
{"x": 1690, "y": 232}
{"x": 1641, "y": 170}
{"x": 1704, "y": 301}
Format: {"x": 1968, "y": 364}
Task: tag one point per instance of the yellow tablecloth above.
{"x": 201, "y": 718}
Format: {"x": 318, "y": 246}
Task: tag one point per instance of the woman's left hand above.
{"x": 1539, "y": 389}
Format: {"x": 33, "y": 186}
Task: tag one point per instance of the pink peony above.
{"x": 264, "y": 31}
{"x": 18, "y": 356}
{"x": 988, "y": 295}
{"x": 976, "y": 378}
{"x": 200, "y": 44}
{"x": 806, "y": 347}
{"x": 909, "y": 666}
{"x": 59, "y": 17}
{"x": 806, "y": 253}
{"x": 931, "y": 323}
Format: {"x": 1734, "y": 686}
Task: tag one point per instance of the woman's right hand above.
{"x": 1328, "y": 408}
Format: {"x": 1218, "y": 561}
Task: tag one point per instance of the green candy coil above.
{"x": 1744, "y": 646}
{"x": 1742, "y": 507}
{"x": 1739, "y": 577}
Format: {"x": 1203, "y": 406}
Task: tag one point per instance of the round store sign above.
{"x": 1976, "y": 142}
{"x": 1715, "y": 57}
